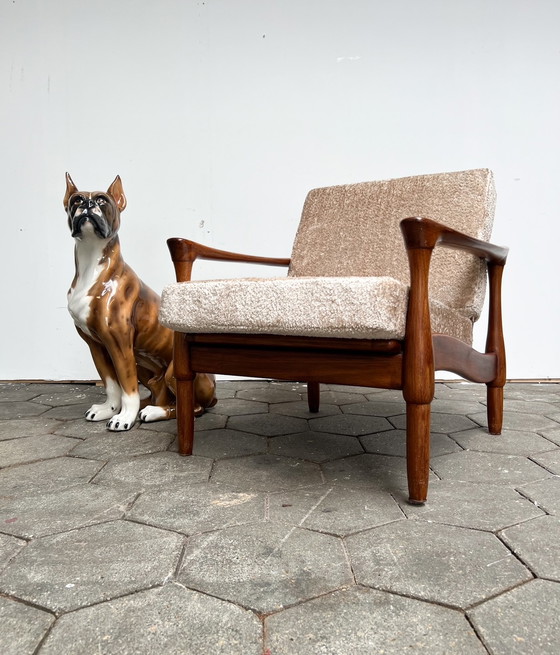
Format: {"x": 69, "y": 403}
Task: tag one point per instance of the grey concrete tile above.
{"x": 522, "y": 621}
{"x": 269, "y": 394}
{"x": 393, "y": 442}
{"x": 19, "y": 409}
{"x": 543, "y": 392}
{"x": 359, "y": 620}
{"x": 71, "y": 396}
{"x": 380, "y": 471}
{"x": 350, "y": 425}
{"x": 39, "y": 388}
{"x": 31, "y": 449}
{"x": 66, "y": 412}
{"x": 550, "y": 460}
{"x": 301, "y": 410}
{"x": 198, "y": 508}
{"x": 23, "y": 627}
{"x": 531, "y": 406}
{"x": 80, "y": 428}
{"x": 345, "y": 388}
{"x": 479, "y": 506}
{"x": 265, "y": 473}
{"x": 334, "y": 509}
{"x": 265, "y": 566}
{"x": 48, "y": 475}
{"x": 168, "y": 620}
{"x": 461, "y": 390}
{"x": 267, "y": 425}
{"x": 218, "y": 444}
{"x": 315, "y": 446}
{"x": 208, "y": 421}
{"x": 92, "y": 564}
{"x": 518, "y": 421}
{"x": 555, "y": 417}
{"x": 544, "y": 493}
{"x": 537, "y": 544}
{"x": 374, "y": 408}
{"x": 9, "y": 547}
{"x": 39, "y": 515}
{"x": 342, "y": 397}
{"x": 552, "y": 434}
{"x": 158, "y": 470}
{"x": 385, "y": 395}
{"x": 440, "y": 563}
{"x": 27, "y": 427}
{"x": 240, "y": 384}
{"x": 12, "y": 392}
{"x": 110, "y": 445}
{"x": 444, "y": 423}
{"x": 239, "y": 407}
{"x": 510, "y": 442}
{"x": 490, "y": 468}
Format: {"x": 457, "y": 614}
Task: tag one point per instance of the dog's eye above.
{"x": 100, "y": 200}
{"x": 77, "y": 200}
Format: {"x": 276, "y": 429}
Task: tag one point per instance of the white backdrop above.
{"x": 220, "y": 115}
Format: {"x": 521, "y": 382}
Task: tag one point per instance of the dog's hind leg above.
{"x": 162, "y": 403}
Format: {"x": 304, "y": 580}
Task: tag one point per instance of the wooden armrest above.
{"x": 184, "y": 252}
{"x": 425, "y": 233}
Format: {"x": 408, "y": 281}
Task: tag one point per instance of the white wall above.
{"x": 219, "y": 115}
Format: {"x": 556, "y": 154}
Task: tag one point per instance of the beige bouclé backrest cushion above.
{"x": 354, "y": 230}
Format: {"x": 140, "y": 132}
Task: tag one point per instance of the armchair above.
{"x": 374, "y": 296}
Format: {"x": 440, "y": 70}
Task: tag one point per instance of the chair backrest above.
{"x": 353, "y": 230}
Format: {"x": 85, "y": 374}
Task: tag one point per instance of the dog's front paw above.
{"x": 121, "y": 422}
{"x": 101, "y": 412}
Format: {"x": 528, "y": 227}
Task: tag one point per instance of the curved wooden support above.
{"x": 453, "y": 355}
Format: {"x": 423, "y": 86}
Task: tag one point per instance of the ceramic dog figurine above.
{"x": 117, "y": 316}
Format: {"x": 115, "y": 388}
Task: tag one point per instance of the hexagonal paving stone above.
{"x": 80, "y": 428}
{"x": 269, "y": 425}
{"x": 335, "y": 510}
{"x": 393, "y": 442}
{"x": 510, "y": 442}
{"x": 552, "y": 435}
{"x": 530, "y": 406}
{"x": 461, "y": 391}
{"x": 550, "y": 461}
{"x": 265, "y": 566}
{"x": 9, "y": 547}
{"x": 542, "y": 392}
{"x": 122, "y": 444}
{"x": 444, "y": 423}
{"x": 66, "y": 509}
{"x": 518, "y": 421}
{"x": 30, "y": 449}
{"x": 198, "y": 508}
{"x": 239, "y": 407}
{"x": 471, "y": 466}
{"x": 11, "y": 392}
{"x": 315, "y": 446}
{"x": 537, "y": 543}
{"x": 478, "y": 506}
{"x": 46, "y": 476}
{"x": 544, "y": 493}
{"x": 372, "y": 408}
{"x": 350, "y": 424}
{"x": 521, "y": 621}
{"x": 85, "y": 566}
{"x": 218, "y": 444}
{"x": 23, "y": 627}
{"x": 71, "y": 396}
{"x": 170, "y": 619}
{"x": 265, "y": 473}
{"x": 301, "y": 410}
{"x": 31, "y": 427}
{"x": 269, "y": 394}
{"x": 19, "y": 409}
{"x": 341, "y": 395}
{"x": 157, "y": 470}
{"x": 66, "y": 412}
{"x": 368, "y": 621}
{"x": 440, "y": 563}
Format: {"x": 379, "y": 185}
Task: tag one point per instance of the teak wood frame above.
{"x": 408, "y": 365}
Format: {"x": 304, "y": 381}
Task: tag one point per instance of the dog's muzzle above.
{"x": 99, "y": 223}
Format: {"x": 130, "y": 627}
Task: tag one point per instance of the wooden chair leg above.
{"x": 313, "y": 396}
{"x": 185, "y": 416}
{"x": 418, "y": 451}
{"x": 495, "y": 409}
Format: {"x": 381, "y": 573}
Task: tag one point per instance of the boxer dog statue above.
{"x": 117, "y": 316}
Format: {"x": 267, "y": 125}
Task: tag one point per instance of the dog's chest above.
{"x": 88, "y": 274}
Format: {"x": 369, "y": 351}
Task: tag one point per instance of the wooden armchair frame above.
{"x": 408, "y": 365}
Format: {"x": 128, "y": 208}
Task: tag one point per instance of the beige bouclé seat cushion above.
{"x": 348, "y": 276}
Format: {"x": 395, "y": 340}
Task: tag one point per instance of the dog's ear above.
{"x": 70, "y": 189}
{"x": 117, "y": 193}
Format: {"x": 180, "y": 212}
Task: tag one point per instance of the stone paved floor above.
{"x": 285, "y": 533}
